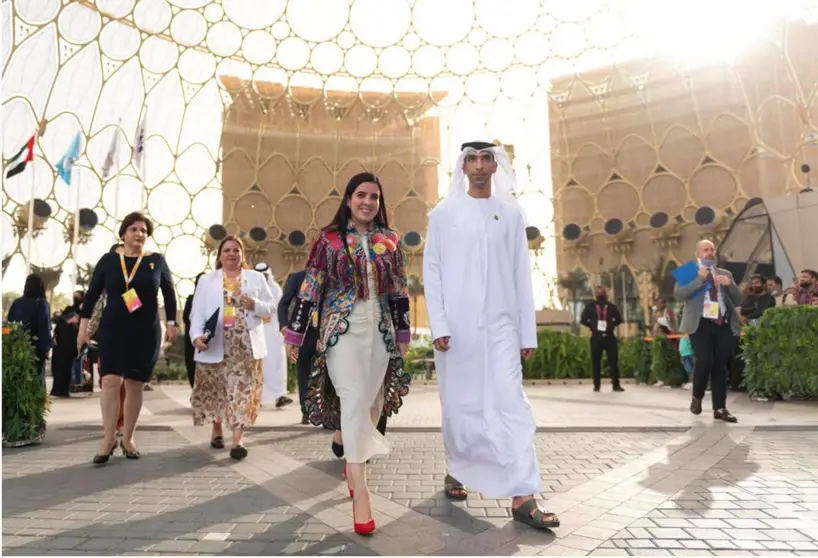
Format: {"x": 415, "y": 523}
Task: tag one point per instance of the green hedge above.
{"x": 635, "y": 359}
{"x": 559, "y": 355}
{"x": 781, "y": 352}
{"x": 562, "y": 356}
{"x": 25, "y": 401}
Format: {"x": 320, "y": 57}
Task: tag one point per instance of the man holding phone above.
{"x": 712, "y": 322}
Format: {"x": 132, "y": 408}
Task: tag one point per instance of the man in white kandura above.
{"x": 274, "y": 367}
{"x": 477, "y": 282}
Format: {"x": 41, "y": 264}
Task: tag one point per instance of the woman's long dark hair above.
{"x": 34, "y": 287}
{"x": 341, "y": 220}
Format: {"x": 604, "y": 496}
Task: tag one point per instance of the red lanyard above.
{"x": 602, "y": 315}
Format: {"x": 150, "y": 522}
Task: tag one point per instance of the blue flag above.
{"x": 65, "y": 166}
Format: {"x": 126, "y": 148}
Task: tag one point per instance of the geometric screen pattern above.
{"x": 102, "y": 67}
{"x": 651, "y": 155}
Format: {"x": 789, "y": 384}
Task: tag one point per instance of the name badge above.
{"x": 711, "y": 310}
{"x": 229, "y": 317}
{"x": 602, "y": 326}
{"x": 132, "y": 302}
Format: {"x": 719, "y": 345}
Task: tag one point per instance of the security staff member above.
{"x": 602, "y": 318}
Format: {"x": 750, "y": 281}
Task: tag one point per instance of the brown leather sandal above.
{"x": 454, "y": 489}
{"x": 533, "y": 515}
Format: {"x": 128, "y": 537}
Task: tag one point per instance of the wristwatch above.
{"x": 171, "y": 323}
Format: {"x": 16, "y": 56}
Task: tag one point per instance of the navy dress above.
{"x": 129, "y": 342}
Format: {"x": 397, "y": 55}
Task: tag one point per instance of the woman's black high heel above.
{"x": 128, "y": 454}
{"x": 102, "y": 459}
{"x": 337, "y": 449}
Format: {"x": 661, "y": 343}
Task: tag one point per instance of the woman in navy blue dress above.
{"x": 129, "y": 332}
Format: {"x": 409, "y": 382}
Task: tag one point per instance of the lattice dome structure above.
{"x": 257, "y": 111}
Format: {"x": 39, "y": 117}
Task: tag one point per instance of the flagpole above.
{"x": 76, "y": 235}
{"x": 31, "y": 215}
{"x": 116, "y": 178}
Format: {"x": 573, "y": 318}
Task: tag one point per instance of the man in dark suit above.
{"x": 712, "y": 322}
{"x": 307, "y": 350}
{"x": 602, "y": 318}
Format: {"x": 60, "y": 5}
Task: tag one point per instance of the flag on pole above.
{"x": 113, "y": 149}
{"x": 17, "y": 164}
{"x": 139, "y": 142}
{"x": 65, "y": 166}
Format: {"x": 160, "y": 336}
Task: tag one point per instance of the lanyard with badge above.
{"x": 230, "y": 306}
{"x": 711, "y": 311}
{"x": 130, "y": 297}
{"x": 602, "y": 318}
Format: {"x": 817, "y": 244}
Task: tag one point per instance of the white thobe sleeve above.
{"x": 433, "y": 279}
{"x": 525, "y": 290}
{"x": 265, "y": 304}
{"x": 275, "y": 289}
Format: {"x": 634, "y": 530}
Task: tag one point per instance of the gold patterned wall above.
{"x": 659, "y": 136}
{"x": 288, "y": 157}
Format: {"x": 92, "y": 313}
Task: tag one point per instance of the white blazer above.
{"x": 209, "y": 297}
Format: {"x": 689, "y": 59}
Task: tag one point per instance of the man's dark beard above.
{"x": 805, "y": 284}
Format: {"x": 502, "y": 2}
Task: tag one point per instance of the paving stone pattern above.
{"x": 173, "y": 500}
{"x": 413, "y": 473}
{"x": 762, "y": 497}
{"x": 714, "y": 490}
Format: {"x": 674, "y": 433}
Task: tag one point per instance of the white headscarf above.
{"x": 504, "y": 180}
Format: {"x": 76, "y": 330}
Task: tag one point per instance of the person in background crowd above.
{"x": 776, "y": 288}
{"x": 274, "y": 367}
{"x": 815, "y": 299}
{"x": 307, "y": 350}
{"x": 190, "y": 350}
{"x": 711, "y": 321}
{"x": 688, "y": 360}
{"x": 34, "y": 313}
{"x": 807, "y": 287}
{"x": 665, "y": 320}
{"x": 756, "y": 300}
{"x": 65, "y": 346}
{"x": 602, "y": 318}
{"x": 129, "y": 332}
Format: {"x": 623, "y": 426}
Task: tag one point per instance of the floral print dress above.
{"x": 229, "y": 391}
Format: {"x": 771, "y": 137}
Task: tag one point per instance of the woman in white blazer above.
{"x": 228, "y": 384}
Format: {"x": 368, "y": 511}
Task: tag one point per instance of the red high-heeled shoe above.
{"x": 362, "y": 528}
{"x": 365, "y": 529}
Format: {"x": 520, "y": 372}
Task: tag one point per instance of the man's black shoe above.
{"x": 696, "y": 406}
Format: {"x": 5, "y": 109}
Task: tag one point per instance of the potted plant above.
{"x": 25, "y": 402}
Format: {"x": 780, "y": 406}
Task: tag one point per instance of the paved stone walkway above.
{"x": 701, "y": 488}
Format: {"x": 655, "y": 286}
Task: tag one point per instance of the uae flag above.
{"x": 17, "y": 164}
